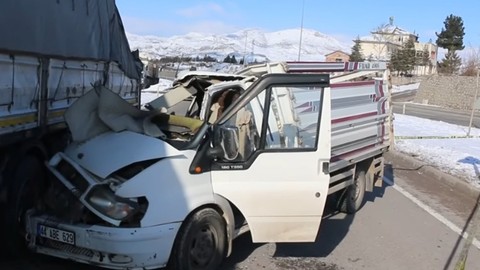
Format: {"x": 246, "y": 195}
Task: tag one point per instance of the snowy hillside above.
{"x": 280, "y": 45}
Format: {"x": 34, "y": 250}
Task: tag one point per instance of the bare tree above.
{"x": 471, "y": 62}
{"x": 381, "y": 37}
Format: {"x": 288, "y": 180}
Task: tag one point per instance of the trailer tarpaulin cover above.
{"x": 82, "y": 29}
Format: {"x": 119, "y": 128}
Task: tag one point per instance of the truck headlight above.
{"x": 102, "y": 198}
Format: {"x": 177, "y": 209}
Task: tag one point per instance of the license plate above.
{"x": 56, "y": 234}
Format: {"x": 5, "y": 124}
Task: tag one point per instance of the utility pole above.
{"x": 178, "y": 67}
{"x": 245, "y": 50}
{"x": 473, "y": 105}
{"x": 301, "y": 31}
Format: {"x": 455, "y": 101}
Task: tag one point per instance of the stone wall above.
{"x": 456, "y": 92}
{"x": 405, "y": 80}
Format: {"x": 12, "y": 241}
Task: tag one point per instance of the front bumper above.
{"x": 109, "y": 247}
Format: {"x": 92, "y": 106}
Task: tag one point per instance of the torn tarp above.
{"x": 101, "y": 110}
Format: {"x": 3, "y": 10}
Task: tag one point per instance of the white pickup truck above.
{"x": 259, "y": 150}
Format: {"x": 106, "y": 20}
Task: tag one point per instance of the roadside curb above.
{"x": 426, "y": 168}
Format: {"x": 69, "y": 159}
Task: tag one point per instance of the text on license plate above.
{"x": 56, "y": 234}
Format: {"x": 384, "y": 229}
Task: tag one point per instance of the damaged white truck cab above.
{"x": 142, "y": 189}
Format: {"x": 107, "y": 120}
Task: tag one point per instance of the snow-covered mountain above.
{"x": 276, "y": 46}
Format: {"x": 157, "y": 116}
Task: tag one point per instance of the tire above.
{"x": 201, "y": 243}
{"x": 28, "y": 183}
{"x": 352, "y": 198}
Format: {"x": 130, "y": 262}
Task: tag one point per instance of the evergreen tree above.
{"x": 227, "y": 59}
{"x": 451, "y": 63}
{"x": 233, "y": 60}
{"x": 403, "y": 60}
{"x": 208, "y": 58}
{"x": 409, "y": 56}
{"x": 451, "y": 38}
{"x": 356, "y": 55}
{"x": 396, "y": 61}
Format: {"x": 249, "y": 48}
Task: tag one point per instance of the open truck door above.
{"x": 275, "y": 153}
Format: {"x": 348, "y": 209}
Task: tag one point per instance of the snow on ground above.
{"x": 457, "y": 156}
{"x": 405, "y": 87}
{"x": 154, "y": 91}
{"x": 406, "y": 125}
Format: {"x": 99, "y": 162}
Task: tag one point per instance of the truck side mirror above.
{"x": 226, "y": 138}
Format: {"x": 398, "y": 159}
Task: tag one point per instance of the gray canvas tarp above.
{"x": 66, "y": 29}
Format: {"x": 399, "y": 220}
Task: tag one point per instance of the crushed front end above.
{"x": 81, "y": 217}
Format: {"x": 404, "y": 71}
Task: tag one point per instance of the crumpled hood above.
{"x": 111, "y": 151}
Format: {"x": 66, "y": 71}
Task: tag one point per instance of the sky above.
{"x": 344, "y": 20}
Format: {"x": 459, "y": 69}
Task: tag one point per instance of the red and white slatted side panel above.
{"x": 359, "y": 118}
{"x": 314, "y": 67}
{"x": 359, "y": 113}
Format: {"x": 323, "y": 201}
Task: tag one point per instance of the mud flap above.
{"x": 378, "y": 176}
{"x": 375, "y": 173}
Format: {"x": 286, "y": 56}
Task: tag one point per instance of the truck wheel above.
{"x": 28, "y": 183}
{"x": 201, "y": 242}
{"x": 352, "y": 198}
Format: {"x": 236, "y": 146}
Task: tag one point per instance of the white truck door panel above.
{"x": 281, "y": 195}
{"x": 280, "y": 187}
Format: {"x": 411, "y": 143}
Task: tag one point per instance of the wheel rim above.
{"x": 203, "y": 247}
{"x": 356, "y": 191}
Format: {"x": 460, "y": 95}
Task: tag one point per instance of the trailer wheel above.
{"x": 201, "y": 243}
{"x": 352, "y": 197}
{"x": 28, "y": 183}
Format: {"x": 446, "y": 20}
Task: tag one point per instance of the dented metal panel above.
{"x": 112, "y": 151}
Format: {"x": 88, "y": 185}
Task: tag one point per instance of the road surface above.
{"x": 451, "y": 116}
{"x": 437, "y": 113}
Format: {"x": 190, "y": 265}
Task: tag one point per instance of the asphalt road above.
{"x": 390, "y": 232}
{"x": 431, "y": 112}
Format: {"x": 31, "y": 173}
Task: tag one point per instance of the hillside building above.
{"x": 337, "y": 56}
{"x": 382, "y": 42}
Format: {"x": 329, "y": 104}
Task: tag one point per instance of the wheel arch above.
{"x": 23, "y": 159}
{"x": 226, "y": 209}
{"x": 15, "y": 155}
{"x": 227, "y": 213}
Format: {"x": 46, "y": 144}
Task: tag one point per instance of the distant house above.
{"x": 337, "y": 56}
{"x": 382, "y": 42}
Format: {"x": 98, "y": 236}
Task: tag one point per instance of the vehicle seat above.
{"x": 226, "y": 99}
